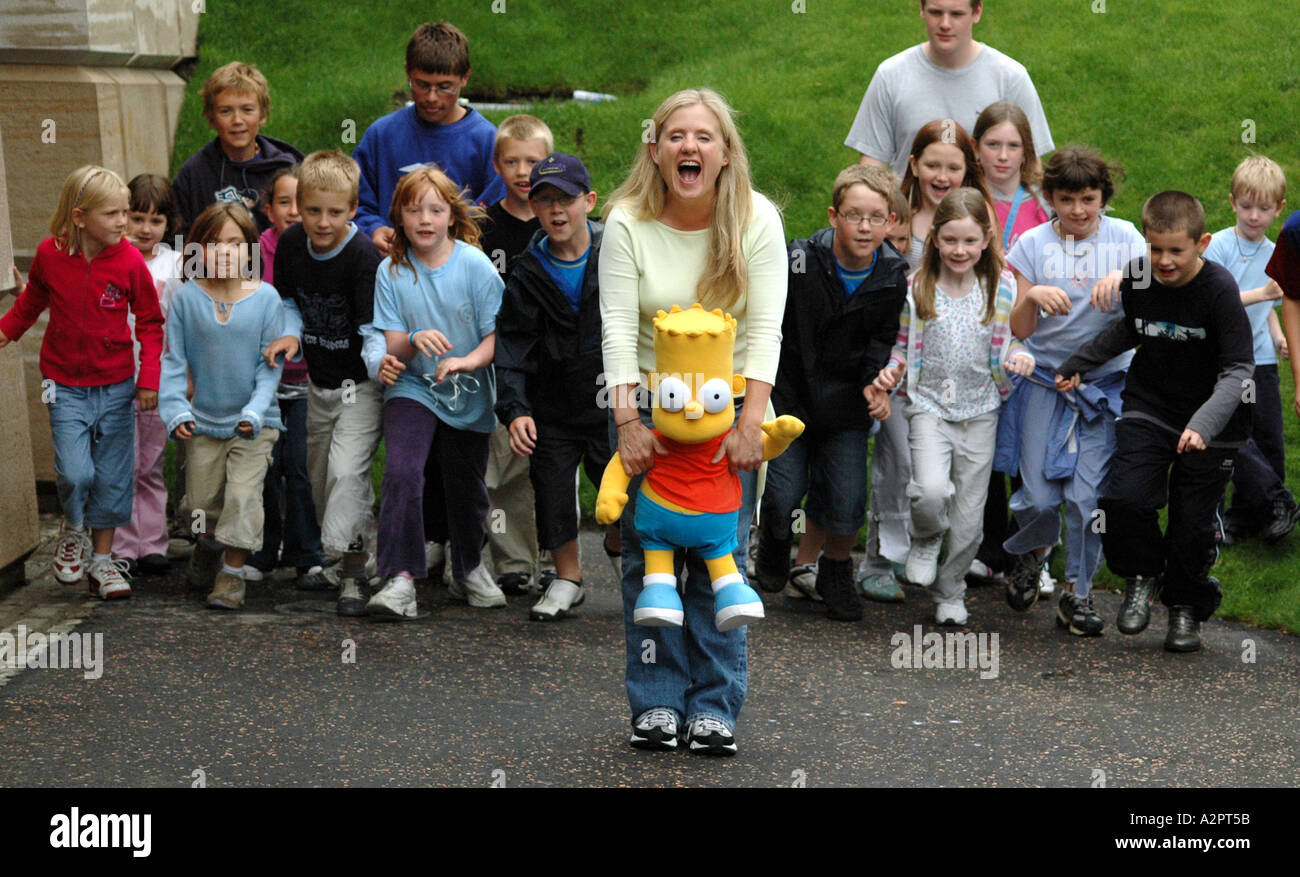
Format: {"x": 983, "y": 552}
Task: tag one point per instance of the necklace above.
{"x": 1246, "y": 259}
{"x": 223, "y": 307}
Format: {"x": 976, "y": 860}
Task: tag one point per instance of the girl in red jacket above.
{"x": 89, "y": 276}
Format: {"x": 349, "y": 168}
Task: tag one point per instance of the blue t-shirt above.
{"x": 853, "y": 279}
{"x": 1046, "y": 259}
{"x": 459, "y": 299}
{"x": 568, "y": 274}
{"x": 1246, "y": 263}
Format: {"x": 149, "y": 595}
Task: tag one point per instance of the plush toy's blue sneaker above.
{"x": 735, "y": 605}
{"x": 659, "y": 604}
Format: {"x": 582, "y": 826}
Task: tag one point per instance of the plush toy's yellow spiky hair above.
{"x": 694, "y": 322}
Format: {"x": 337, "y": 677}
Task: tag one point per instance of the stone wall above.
{"x": 81, "y": 82}
{"x": 18, "y": 527}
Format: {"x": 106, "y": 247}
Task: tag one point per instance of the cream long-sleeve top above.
{"x": 646, "y": 266}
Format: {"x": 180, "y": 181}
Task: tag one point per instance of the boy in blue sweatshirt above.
{"x": 434, "y": 128}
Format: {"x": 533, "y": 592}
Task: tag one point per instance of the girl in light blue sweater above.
{"x": 220, "y": 322}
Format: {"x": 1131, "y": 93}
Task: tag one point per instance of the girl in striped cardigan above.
{"x": 950, "y": 362}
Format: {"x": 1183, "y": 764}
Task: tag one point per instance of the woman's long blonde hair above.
{"x": 85, "y": 189}
{"x": 726, "y": 274}
{"x": 963, "y": 203}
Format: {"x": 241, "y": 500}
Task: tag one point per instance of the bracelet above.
{"x": 625, "y": 423}
{"x": 411, "y": 337}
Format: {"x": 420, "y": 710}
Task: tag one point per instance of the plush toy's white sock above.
{"x": 659, "y": 578}
{"x": 730, "y": 578}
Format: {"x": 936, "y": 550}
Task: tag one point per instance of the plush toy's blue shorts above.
{"x": 713, "y": 534}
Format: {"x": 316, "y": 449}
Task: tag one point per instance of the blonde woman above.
{"x": 687, "y": 226}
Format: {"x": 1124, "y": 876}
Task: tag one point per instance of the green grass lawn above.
{"x": 1166, "y": 88}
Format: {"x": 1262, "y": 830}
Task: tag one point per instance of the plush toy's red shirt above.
{"x": 686, "y": 476}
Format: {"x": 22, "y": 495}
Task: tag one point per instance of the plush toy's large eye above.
{"x": 715, "y": 395}
{"x": 673, "y": 394}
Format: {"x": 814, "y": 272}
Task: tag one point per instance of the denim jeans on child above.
{"x": 831, "y": 468}
{"x": 93, "y": 432}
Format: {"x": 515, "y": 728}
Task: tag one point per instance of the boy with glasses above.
{"x": 846, "y": 291}
{"x": 434, "y": 128}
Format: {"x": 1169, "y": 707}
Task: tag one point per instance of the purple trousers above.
{"x": 413, "y": 435}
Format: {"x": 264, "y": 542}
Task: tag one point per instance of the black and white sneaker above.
{"x": 515, "y": 583}
{"x": 656, "y": 729}
{"x": 708, "y": 736}
{"x": 354, "y": 596}
{"x": 1078, "y": 615}
{"x": 1285, "y": 514}
{"x": 1023, "y": 580}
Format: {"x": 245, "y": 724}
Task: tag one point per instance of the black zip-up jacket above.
{"x": 548, "y": 358}
{"x": 832, "y": 347}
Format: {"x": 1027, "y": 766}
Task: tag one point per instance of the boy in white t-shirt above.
{"x": 950, "y": 76}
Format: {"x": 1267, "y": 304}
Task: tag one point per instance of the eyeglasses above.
{"x": 853, "y": 217}
{"x": 420, "y": 87}
{"x": 547, "y": 201}
{"x": 452, "y": 391}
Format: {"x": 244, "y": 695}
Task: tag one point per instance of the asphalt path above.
{"x": 286, "y": 693}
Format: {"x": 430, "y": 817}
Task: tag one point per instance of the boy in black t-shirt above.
{"x": 325, "y": 272}
{"x": 522, "y": 142}
{"x": 1183, "y": 418}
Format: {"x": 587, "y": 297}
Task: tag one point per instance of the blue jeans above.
{"x": 695, "y": 670}
{"x": 297, "y": 526}
{"x": 93, "y": 432}
{"x": 1036, "y": 504}
{"x": 831, "y": 468}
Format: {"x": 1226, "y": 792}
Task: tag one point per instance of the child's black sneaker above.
{"x": 1285, "y": 514}
{"x": 1184, "y": 630}
{"x": 514, "y": 583}
{"x": 1135, "y": 614}
{"x": 1022, "y": 581}
{"x": 772, "y": 563}
{"x": 1078, "y": 615}
{"x": 655, "y": 728}
{"x": 708, "y": 736}
{"x": 835, "y": 585}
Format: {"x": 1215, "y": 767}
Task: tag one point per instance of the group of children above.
{"x": 1017, "y": 285}
{"x": 326, "y": 301}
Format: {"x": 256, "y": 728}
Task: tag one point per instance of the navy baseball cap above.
{"x": 565, "y": 172}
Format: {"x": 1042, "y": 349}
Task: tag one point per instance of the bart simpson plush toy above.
{"x": 686, "y": 500}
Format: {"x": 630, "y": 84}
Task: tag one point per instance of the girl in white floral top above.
{"x": 953, "y": 352}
